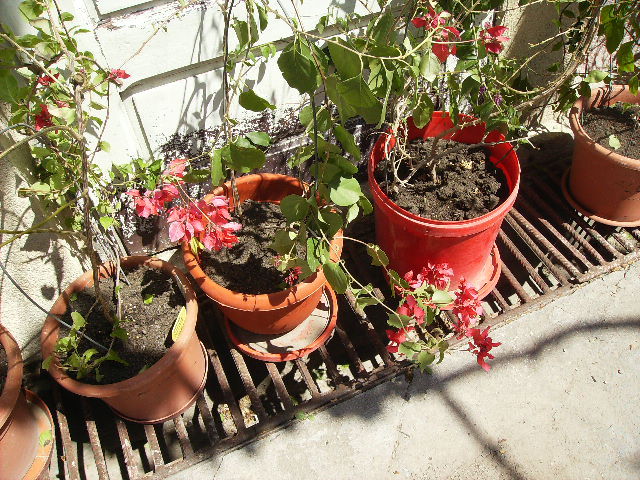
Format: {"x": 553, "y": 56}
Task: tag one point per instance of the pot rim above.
{"x": 599, "y": 97}
{"x": 49, "y": 334}
{"x": 266, "y": 301}
{"x": 447, "y": 225}
{"x": 13, "y": 382}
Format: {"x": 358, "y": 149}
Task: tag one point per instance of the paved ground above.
{"x": 561, "y": 402}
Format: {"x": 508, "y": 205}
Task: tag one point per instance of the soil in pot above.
{"x": 4, "y": 367}
{"x": 248, "y": 267}
{"x": 601, "y": 123}
{"x": 468, "y": 184}
{"x": 150, "y": 306}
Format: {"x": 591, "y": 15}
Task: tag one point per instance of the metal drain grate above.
{"x": 546, "y": 249}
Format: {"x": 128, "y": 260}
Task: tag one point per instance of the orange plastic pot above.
{"x": 602, "y": 184}
{"x": 411, "y": 242}
{"x": 19, "y": 432}
{"x": 162, "y": 391}
{"x": 271, "y": 313}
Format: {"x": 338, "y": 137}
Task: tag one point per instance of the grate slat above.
{"x": 127, "y": 451}
{"x": 249, "y": 386}
{"x": 278, "y": 383}
{"x": 227, "y": 394}
{"x": 331, "y": 366}
{"x": 94, "y": 439}
{"x": 351, "y": 352}
{"x": 71, "y": 457}
{"x": 540, "y": 282}
{"x": 308, "y": 379}
{"x": 154, "y": 446}
{"x": 183, "y": 436}
{"x": 521, "y": 292}
{"x": 207, "y": 419}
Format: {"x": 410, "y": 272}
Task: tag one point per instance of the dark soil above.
{"x": 603, "y": 122}
{"x": 4, "y": 366}
{"x": 247, "y": 267}
{"x": 148, "y": 325}
{"x": 469, "y": 184}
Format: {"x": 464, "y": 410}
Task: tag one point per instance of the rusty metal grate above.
{"x": 546, "y": 250}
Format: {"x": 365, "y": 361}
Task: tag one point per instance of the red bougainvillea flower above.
{"x": 43, "y": 119}
{"x": 46, "y": 80}
{"x": 467, "y": 308}
{"x": 396, "y": 337}
{"x": 116, "y": 75}
{"x": 176, "y": 168}
{"x": 481, "y": 345}
{"x": 444, "y": 47}
{"x": 492, "y": 38}
{"x": 411, "y": 308}
{"x": 438, "y": 275}
{"x": 432, "y": 19}
{"x": 293, "y": 276}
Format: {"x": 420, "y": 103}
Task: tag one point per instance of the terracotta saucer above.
{"x": 39, "y": 469}
{"x": 490, "y": 273}
{"x": 297, "y": 343}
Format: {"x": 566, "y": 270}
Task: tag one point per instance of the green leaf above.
{"x": 282, "y": 242}
{"x": 294, "y": 207}
{"x": 430, "y": 66}
{"x": 399, "y": 321}
{"x": 262, "y": 16}
{"x": 353, "y": 96}
{"x": 89, "y": 353}
{"x": 251, "y": 101}
{"x": 333, "y": 221}
{"x": 147, "y": 298}
{"x": 314, "y": 253}
{"x": 115, "y": 357}
{"x": 596, "y": 76}
{"x": 409, "y": 349}
{"x": 242, "y": 31}
{"x": 378, "y": 257}
{"x": 352, "y": 213}
{"x": 364, "y": 302}
{"x": 46, "y": 363}
{"x": 119, "y": 332}
{"x": 105, "y": 146}
{"x": 298, "y": 68}
{"x": 365, "y": 204}
{"x": 40, "y": 188}
{"x": 259, "y": 138}
{"x": 430, "y": 315}
{"x": 633, "y": 85}
{"x": 335, "y": 276}
{"x": 178, "y": 326}
{"x": 346, "y": 192}
{"x": 45, "y": 438}
{"x": 197, "y": 176}
{"x": 442, "y": 297}
{"x": 382, "y": 28}
{"x": 625, "y": 57}
{"x": 106, "y": 222}
{"x": 244, "y": 159}
{"x": 9, "y": 89}
{"x": 614, "y": 33}
{"x": 78, "y": 320}
{"x": 423, "y": 111}
{"x": 347, "y": 141}
{"x": 347, "y": 62}
{"x": 217, "y": 171}
{"x": 614, "y": 142}
{"x": 424, "y": 359}
{"x": 323, "y": 118}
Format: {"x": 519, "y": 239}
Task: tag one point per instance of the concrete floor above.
{"x": 560, "y": 403}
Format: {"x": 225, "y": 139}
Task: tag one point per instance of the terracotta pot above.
{"x": 411, "y": 242}
{"x": 165, "y": 389}
{"x": 603, "y": 185}
{"x": 271, "y": 313}
{"x": 19, "y": 432}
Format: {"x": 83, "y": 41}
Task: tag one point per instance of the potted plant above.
{"x": 55, "y": 93}
{"x": 603, "y": 182}
{"x": 26, "y": 426}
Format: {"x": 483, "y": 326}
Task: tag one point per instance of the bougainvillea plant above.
{"x": 423, "y": 296}
{"x": 203, "y": 223}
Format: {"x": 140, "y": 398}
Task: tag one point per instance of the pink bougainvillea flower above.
{"x": 432, "y": 19}
{"x": 46, "y": 80}
{"x": 62, "y": 104}
{"x": 116, "y": 75}
{"x": 396, "y": 337}
{"x": 176, "y": 168}
{"x": 43, "y": 119}
{"x": 444, "y": 46}
{"x": 492, "y": 38}
{"x": 438, "y": 275}
{"x": 293, "y": 276}
{"x": 411, "y": 308}
{"x": 481, "y": 345}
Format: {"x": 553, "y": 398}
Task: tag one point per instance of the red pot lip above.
{"x": 600, "y": 96}
{"x": 13, "y": 382}
{"x": 447, "y": 225}
{"x": 49, "y": 334}
{"x": 252, "y": 302}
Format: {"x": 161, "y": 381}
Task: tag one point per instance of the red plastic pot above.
{"x": 162, "y": 391}
{"x": 411, "y": 241}
{"x": 603, "y": 185}
{"x": 271, "y": 313}
{"x": 21, "y": 456}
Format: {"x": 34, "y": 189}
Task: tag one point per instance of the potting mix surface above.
{"x": 622, "y": 123}
{"x": 468, "y": 184}
{"x": 150, "y": 306}
{"x": 248, "y": 266}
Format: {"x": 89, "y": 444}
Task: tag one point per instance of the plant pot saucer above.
{"x": 297, "y": 343}
{"x": 490, "y": 274}
{"x": 39, "y": 469}
{"x": 181, "y": 409}
{"x": 572, "y": 201}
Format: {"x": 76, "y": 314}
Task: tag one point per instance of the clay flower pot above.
{"x": 162, "y": 391}
{"x": 23, "y": 417}
{"x": 271, "y": 313}
{"x": 411, "y": 241}
{"x": 602, "y": 184}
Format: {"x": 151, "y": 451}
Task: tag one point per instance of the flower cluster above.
{"x": 207, "y": 220}
{"x": 426, "y": 294}
{"x": 446, "y": 36}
